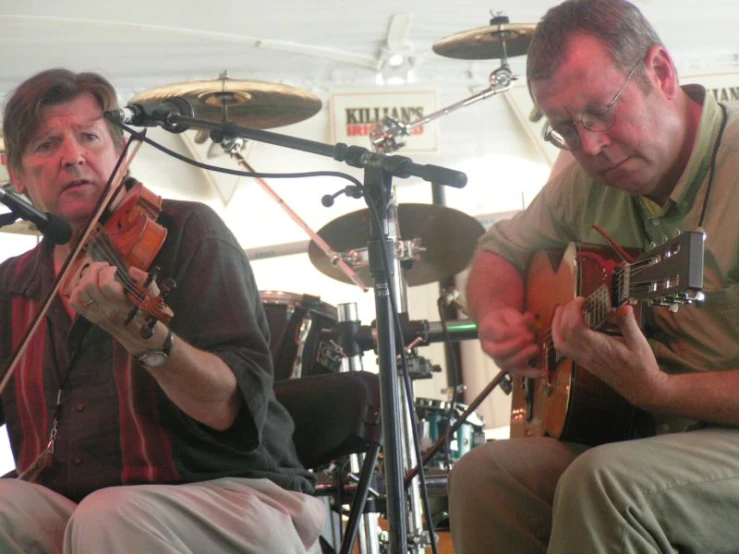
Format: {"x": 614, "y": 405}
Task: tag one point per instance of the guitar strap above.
{"x": 714, "y": 154}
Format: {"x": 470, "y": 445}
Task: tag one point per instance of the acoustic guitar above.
{"x": 570, "y": 403}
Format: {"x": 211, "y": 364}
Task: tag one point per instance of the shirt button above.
{"x": 80, "y": 407}
{"x": 77, "y": 460}
{"x": 656, "y": 222}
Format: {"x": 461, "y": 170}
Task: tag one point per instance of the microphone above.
{"x": 364, "y": 337}
{"x": 56, "y": 229}
{"x": 153, "y": 114}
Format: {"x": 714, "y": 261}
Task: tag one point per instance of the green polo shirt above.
{"x": 694, "y": 338}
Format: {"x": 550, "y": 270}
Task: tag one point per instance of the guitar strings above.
{"x": 592, "y": 302}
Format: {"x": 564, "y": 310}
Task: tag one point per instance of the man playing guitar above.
{"x": 653, "y": 159}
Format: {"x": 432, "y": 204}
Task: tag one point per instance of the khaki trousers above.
{"x": 223, "y": 516}
{"x": 675, "y": 493}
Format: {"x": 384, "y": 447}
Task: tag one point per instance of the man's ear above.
{"x": 660, "y": 62}
{"x": 17, "y": 181}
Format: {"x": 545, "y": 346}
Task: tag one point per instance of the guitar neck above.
{"x": 598, "y": 307}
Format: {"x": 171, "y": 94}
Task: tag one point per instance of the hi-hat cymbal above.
{"x": 501, "y": 40}
{"x": 447, "y": 238}
{"x": 256, "y": 104}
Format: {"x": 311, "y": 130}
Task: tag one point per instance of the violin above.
{"x": 130, "y": 237}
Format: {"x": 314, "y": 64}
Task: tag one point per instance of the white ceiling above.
{"x": 323, "y": 45}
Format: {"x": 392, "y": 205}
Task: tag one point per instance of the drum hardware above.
{"x": 303, "y": 339}
{"x": 430, "y": 252}
{"x": 416, "y": 332}
{"x": 407, "y": 251}
{"x": 501, "y": 39}
{"x": 420, "y": 367}
{"x": 385, "y": 136}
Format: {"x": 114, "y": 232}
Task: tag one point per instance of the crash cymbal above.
{"x": 21, "y": 228}
{"x": 256, "y": 104}
{"x": 499, "y": 40}
{"x": 447, "y": 240}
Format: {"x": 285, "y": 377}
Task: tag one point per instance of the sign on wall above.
{"x": 355, "y": 114}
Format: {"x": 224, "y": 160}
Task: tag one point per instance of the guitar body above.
{"x": 571, "y": 404}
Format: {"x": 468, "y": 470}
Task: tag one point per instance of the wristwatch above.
{"x": 156, "y": 358}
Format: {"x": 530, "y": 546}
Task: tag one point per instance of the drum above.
{"x": 303, "y": 337}
{"x": 433, "y": 420}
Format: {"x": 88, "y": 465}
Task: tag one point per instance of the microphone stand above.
{"x": 379, "y": 169}
{"x": 377, "y": 184}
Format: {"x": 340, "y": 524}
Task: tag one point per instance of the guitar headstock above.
{"x": 669, "y": 274}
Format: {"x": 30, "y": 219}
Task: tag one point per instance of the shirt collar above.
{"x": 699, "y": 163}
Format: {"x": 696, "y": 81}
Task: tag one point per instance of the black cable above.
{"x": 237, "y": 172}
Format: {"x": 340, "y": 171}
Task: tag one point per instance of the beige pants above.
{"x": 230, "y": 515}
{"x": 667, "y": 494}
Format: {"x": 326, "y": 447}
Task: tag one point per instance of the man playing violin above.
{"x": 125, "y": 440}
{"x": 651, "y": 158}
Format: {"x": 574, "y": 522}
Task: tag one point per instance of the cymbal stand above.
{"x": 385, "y": 136}
{"x": 335, "y": 257}
{"x": 408, "y": 447}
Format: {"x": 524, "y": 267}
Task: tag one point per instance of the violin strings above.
{"x": 102, "y": 249}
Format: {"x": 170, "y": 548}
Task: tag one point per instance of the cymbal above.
{"x": 21, "y": 227}
{"x": 502, "y": 40}
{"x": 256, "y": 104}
{"x": 448, "y": 237}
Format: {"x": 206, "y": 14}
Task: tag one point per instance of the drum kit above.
{"x": 433, "y": 242}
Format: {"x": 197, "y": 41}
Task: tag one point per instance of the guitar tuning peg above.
{"x": 694, "y": 297}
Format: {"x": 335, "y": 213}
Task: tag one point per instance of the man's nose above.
{"x": 592, "y": 142}
{"x": 72, "y": 153}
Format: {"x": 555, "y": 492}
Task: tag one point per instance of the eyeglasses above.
{"x": 568, "y": 138}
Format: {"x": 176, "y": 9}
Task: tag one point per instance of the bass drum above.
{"x": 303, "y": 335}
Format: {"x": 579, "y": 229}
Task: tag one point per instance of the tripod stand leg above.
{"x": 360, "y": 498}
